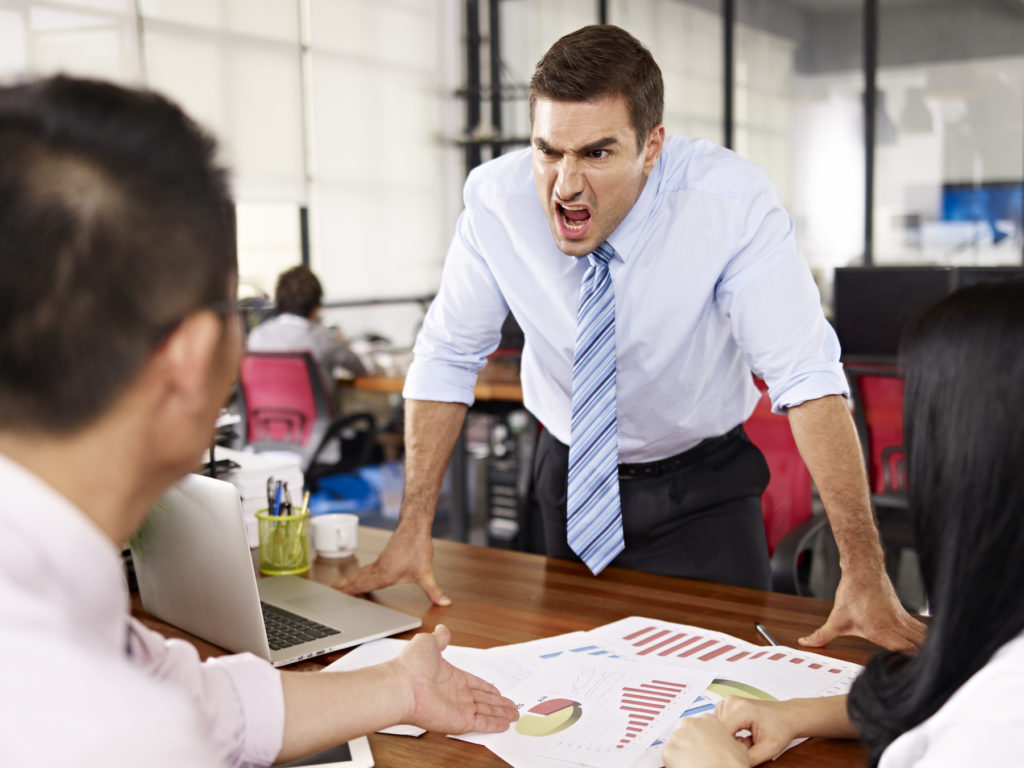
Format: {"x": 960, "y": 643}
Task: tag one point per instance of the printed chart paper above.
{"x": 594, "y": 711}
{"x": 739, "y": 668}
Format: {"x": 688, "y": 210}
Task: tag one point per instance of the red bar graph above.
{"x": 662, "y": 644}
{"x": 643, "y": 703}
{"x": 697, "y": 648}
{"x": 717, "y": 652}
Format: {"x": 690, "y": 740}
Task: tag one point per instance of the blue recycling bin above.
{"x": 344, "y": 493}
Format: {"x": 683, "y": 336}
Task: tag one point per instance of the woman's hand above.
{"x": 704, "y": 742}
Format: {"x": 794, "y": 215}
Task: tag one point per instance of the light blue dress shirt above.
{"x": 709, "y": 286}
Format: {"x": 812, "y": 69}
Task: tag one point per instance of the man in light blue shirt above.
{"x": 709, "y": 286}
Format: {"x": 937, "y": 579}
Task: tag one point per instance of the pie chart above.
{"x": 549, "y": 717}
{"x": 735, "y": 688}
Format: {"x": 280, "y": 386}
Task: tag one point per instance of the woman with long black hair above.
{"x": 960, "y": 699}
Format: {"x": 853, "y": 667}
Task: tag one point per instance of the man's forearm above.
{"x": 827, "y": 440}
{"x": 431, "y": 429}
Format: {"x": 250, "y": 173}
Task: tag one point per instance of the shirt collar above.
{"x": 626, "y": 236}
{"x": 287, "y": 318}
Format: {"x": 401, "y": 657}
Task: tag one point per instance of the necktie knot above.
{"x": 601, "y": 255}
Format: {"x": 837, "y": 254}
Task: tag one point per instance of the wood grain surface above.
{"x": 501, "y": 597}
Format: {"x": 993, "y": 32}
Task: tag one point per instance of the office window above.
{"x": 798, "y": 106}
{"x": 379, "y": 219}
{"x": 94, "y": 39}
{"x": 269, "y": 242}
{"x": 950, "y": 162}
{"x": 245, "y": 88}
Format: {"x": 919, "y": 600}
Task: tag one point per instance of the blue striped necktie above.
{"x": 594, "y": 516}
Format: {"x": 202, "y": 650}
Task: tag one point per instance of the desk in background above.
{"x": 501, "y": 597}
{"x": 497, "y": 392}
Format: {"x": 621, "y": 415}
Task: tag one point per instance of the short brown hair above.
{"x": 298, "y": 292}
{"x": 115, "y": 224}
{"x": 602, "y": 60}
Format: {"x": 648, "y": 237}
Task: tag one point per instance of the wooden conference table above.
{"x": 501, "y": 596}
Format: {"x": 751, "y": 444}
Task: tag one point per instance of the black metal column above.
{"x": 729, "y": 90}
{"x": 870, "y": 100}
{"x": 473, "y": 157}
{"x": 304, "y": 233}
{"x": 494, "y": 36}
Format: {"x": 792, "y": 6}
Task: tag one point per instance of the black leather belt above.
{"x": 660, "y": 467}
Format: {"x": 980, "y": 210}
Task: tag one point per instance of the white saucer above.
{"x": 335, "y": 555}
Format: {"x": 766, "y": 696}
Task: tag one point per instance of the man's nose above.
{"x": 569, "y": 183}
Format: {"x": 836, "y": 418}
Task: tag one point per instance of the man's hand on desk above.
{"x": 444, "y": 698}
{"x": 866, "y": 606}
{"x": 407, "y": 558}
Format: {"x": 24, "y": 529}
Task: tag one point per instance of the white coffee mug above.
{"x": 336, "y": 534}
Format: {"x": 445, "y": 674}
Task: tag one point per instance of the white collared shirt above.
{"x": 72, "y": 692}
{"x": 709, "y": 286}
{"x": 981, "y": 724}
{"x": 292, "y": 333}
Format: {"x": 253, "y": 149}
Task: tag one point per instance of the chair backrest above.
{"x": 786, "y": 502}
{"x": 877, "y": 392}
{"x": 285, "y": 401}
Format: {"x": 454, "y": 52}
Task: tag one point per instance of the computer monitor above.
{"x": 972, "y": 275}
{"x": 874, "y": 305}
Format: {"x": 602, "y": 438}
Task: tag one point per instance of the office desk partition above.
{"x": 502, "y": 596}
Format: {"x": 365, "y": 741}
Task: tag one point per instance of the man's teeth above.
{"x": 572, "y": 224}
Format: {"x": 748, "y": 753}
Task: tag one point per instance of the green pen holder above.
{"x": 284, "y": 543}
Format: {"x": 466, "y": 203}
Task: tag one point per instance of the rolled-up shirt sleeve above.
{"x": 773, "y": 305}
{"x": 463, "y": 324}
{"x": 239, "y": 698}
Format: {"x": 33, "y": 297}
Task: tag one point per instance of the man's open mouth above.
{"x": 574, "y": 218}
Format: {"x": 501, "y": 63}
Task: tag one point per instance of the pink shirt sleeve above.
{"x": 239, "y": 697}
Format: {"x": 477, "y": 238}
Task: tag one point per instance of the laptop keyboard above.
{"x": 285, "y": 629}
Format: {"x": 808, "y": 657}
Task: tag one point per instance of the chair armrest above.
{"x": 786, "y": 559}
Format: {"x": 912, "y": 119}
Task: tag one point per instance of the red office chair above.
{"x": 287, "y": 408}
{"x": 786, "y": 503}
{"x": 877, "y": 392}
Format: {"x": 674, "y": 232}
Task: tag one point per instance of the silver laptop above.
{"x": 195, "y": 571}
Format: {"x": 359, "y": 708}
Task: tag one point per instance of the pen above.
{"x": 764, "y": 633}
{"x": 277, "y": 500}
{"x": 305, "y": 503}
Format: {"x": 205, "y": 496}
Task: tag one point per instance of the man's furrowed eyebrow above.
{"x": 585, "y": 150}
{"x": 599, "y": 144}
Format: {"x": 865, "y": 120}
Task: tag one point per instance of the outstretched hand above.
{"x": 407, "y": 558}
{"x": 444, "y": 698}
{"x": 867, "y": 606}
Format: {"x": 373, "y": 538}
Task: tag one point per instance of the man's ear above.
{"x": 652, "y": 149}
{"x": 185, "y": 357}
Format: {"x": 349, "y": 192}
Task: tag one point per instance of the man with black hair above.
{"x": 119, "y": 341}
